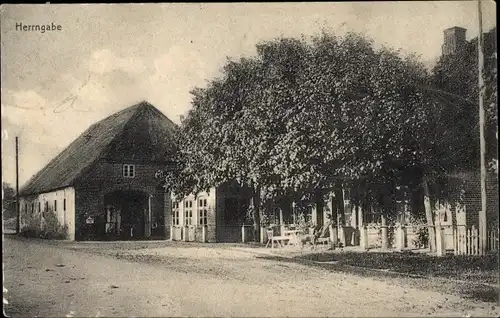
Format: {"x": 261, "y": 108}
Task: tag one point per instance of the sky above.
{"x": 104, "y": 58}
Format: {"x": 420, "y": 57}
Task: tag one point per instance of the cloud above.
{"x": 104, "y": 61}
{"x": 174, "y": 74}
{"x": 47, "y": 120}
{"x": 178, "y": 69}
{"x": 23, "y": 99}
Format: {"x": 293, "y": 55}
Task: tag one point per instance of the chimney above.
{"x": 454, "y": 40}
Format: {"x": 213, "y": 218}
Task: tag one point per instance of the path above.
{"x": 54, "y": 280}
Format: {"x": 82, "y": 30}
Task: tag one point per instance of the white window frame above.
{"x": 175, "y": 214}
{"x": 128, "y": 171}
{"x": 188, "y": 212}
{"x": 203, "y": 211}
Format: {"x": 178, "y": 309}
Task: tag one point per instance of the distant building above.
{"x": 454, "y": 40}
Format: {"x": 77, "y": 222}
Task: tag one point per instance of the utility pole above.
{"x": 18, "y": 207}
{"x": 483, "y": 234}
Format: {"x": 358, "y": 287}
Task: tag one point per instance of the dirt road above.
{"x": 46, "y": 279}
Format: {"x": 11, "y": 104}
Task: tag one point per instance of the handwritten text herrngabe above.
{"x": 38, "y": 27}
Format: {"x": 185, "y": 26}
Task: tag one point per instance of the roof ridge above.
{"x": 75, "y": 160}
{"x": 120, "y": 133}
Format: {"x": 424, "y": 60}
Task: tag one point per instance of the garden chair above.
{"x": 271, "y": 238}
{"x": 323, "y": 235}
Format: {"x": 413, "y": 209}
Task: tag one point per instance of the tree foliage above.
{"x": 8, "y": 201}
{"x": 306, "y": 113}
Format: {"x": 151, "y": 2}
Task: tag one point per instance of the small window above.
{"x": 129, "y": 171}
{"x": 39, "y": 207}
{"x": 32, "y": 208}
{"x": 55, "y": 205}
{"x": 46, "y": 206}
{"x": 64, "y": 205}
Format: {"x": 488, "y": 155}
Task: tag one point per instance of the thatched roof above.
{"x": 140, "y": 133}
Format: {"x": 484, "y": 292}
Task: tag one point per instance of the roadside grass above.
{"x": 483, "y": 269}
{"x": 474, "y": 277}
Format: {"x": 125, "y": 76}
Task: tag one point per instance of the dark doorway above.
{"x": 126, "y": 214}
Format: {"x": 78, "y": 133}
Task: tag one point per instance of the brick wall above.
{"x": 464, "y": 189}
{"x": 473, "y": 198}
{"x": 87, "y": 205}
{"x": 105, "y": 178}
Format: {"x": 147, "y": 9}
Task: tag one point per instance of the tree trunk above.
{"x": 255, "y": 204}
{"x": 384, "y": 232}
{"x": 339, "y": 198}
{"x": 428, "y": 215}
{"x": 319, "y": 203}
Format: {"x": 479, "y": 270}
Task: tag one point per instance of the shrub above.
{"x": 303, "y": 223}
{"x": 52, "y": 228}
{"x": 32, "y": 227}
{"x": 46, "y": 226}
{"x": 421, "y": 231}
{"x": 422, "y": 239}
{"x": 390, "y": 236}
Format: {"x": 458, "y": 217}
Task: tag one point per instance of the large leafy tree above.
{"x": 302, "y": 115}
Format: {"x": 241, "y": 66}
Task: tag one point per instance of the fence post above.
{"x": 243, "y": 233}
{"x": 475, "y": 237}
{"x": 262, "y": 233}
{"x": 364, "y": 237}
{"x": 400, "y": 239}
{"x": 463, "y": 240}
{"x": 342, "y": 236}
{"x": 495, "y": 239}
{"x": 439, "y": 241}
{"x": 384, "y": 230}
{"x": 466, "y": 240}
{"x": 332, "y": 235}
{"x": 171, "y": 233}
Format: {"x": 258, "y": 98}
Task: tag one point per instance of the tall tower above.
{"x": 454, "y": 40}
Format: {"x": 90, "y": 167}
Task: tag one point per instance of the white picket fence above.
{"x": 467, "y": 240}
